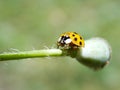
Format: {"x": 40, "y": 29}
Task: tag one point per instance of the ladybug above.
{"x": 69, "y": 40}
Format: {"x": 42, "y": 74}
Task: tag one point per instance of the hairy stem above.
{"x": 30, "y": 54}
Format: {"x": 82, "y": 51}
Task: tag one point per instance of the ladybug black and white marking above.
{"x": 70, "y": 40}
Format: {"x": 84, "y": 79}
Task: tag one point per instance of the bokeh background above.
{"x": 37, "y": 24}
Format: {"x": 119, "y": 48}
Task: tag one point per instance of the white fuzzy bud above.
{"x": 96, "y": 53}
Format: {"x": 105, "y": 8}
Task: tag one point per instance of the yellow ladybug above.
{"x": 70, "y": 40}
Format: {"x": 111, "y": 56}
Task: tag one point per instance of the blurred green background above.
{"x": 37, "y": 24}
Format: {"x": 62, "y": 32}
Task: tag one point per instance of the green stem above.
{"x": 30, "y": 54}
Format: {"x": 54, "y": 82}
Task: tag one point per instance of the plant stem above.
{"x": 30, "y": 54}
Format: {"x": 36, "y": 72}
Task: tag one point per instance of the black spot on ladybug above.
{"x": 81, "y": 38}
{"x": 80, "y": 43}
{"x": 73, "y": 35}
{"x": 75, "y": 39}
